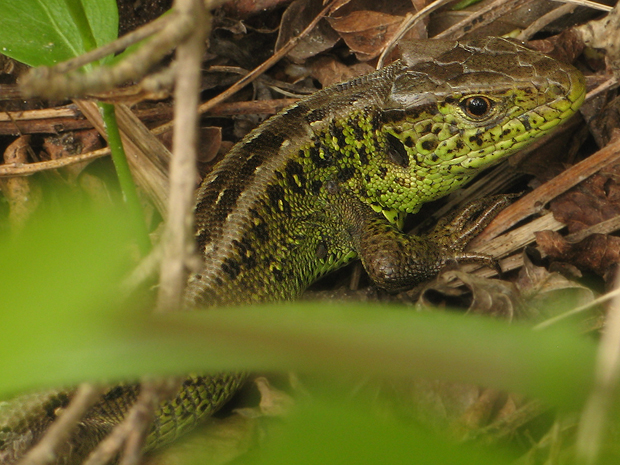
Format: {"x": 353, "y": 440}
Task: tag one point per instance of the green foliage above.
{"x": 325, "y": 433}
{"x": 63, "y": 322}
{"x": 52, "y": 31}
{"x": 61, "y": 269}
{"x": 45, "y": 32}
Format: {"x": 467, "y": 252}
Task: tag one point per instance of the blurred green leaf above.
{"x": 556, "y": 365}
{"x": 327, "y": 433}
{"x": 56, "y": 280}
{"x": 45, "y": 32}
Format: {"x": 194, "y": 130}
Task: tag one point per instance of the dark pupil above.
{"x": 477, "y": 106}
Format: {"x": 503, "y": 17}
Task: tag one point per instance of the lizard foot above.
{"x": 452, "y": 234}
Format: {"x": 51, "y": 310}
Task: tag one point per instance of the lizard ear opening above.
{"x": 397, "y": 153}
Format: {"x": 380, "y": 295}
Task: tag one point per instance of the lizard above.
{"x": 329, "y": 180}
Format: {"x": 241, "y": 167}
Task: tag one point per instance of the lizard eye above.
{"x": 477, "y": 107}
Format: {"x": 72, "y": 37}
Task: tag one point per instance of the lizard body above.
{"x": 328, "y": 180}
{"x": 281, "y": 209}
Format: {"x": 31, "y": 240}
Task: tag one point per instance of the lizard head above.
{"x": 455, "y": 109}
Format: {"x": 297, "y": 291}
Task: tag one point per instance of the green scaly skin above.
{"x": 300, "y": 195}
{"x": 329, "y": 180}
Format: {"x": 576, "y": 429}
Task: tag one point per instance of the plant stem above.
{"x": 128, "y": 188}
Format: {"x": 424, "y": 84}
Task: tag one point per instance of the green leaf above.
{"x": 556, "y": 365}
{"x": 45, "y": 32}
{"x": 56, "y": 279}
{"x": 327, "y": 433}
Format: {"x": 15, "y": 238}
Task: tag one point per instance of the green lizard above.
{"x": 328, "y": 180}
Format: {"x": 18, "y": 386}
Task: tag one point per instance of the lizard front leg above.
{"x": 396, "y": 261}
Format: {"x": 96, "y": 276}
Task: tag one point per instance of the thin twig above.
{"x": 178, "y": 238}
{"x": 481, "y": 18}
{"x": 118, "y": 45}
{"x": 588, "y": 4}
{"x": 534, "y": 201}
{"x": 138, "y": 418}
{"x": 407, "y": 23}
{"x": 600, "y": 300}
{"x": 31, "y": 168}
{"x": 248, "y": 78}
{"x": 142, "y": 413}
{"x": 45, "y": 82}
{"x": 545, "y": 20}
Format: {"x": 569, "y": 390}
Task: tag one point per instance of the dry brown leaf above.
{"x": 295, "y": 19}
{"x": 327, "y": 70}
{"x": 367, "y": 25}
{"x": 365, "y": 32}
{"x": 491, "y": 297}
{"x": 72, "y": 143}
{"x": 599, "y": 253}
{"x": 565, "y": 47}
{"x": 604, "y": 124}
{"x": 594, "y": 200}
{"x": 548, "y": 293}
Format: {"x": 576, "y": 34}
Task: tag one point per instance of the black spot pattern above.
{"x": 338, "y": 133}
{"x": 315, "y": 115}
{"x": 250, "y": 165}
{"x": 275, "y": 192}
{"x": 231, "y": 267}
{"x": 346, "y": 173}
{"x": 315, "y": 156}
{"x": 357, "y": 129}
{"x": 429, "y": 144}
{"x": 259, "y": 226}
{"x": 526, "y": 122}
{"x": 363, "y": 155}
{"x": 476, "y": 139}
{"x": 295, "y": 170}
{"x": 297, "y": 111}
{"x": 245, "y": 251}
{"x": 315, "y": 186}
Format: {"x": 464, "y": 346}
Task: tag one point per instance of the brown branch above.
{"x": 534, "y": 201}
{"x": 139, "y": 415}
{"x": 248, "y": 78}
{"x": 178, "y": 237}
{"x": 480, "y": 18}
{"x": 31, "y": 168}
{"x": 47, "y": 83}
{"x": 55, "y": 120}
